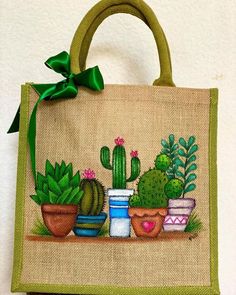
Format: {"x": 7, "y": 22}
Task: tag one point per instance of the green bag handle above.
{"x": 104, "y": 8}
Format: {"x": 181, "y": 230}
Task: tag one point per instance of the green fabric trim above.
{"x": 17, "y": 286}
{"x": 84, "y": 34}
{"x": 20, "y": 190}
{"x": 213, "y": 189}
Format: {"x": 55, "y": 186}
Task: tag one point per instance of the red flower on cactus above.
{"x": 134, "y": 154}
{"x": 119, "y": 141}
{"x": 89, "y": 174}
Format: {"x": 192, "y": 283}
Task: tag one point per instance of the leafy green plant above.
{"x": 40, "y": 229}
{"x": 170, "y": 149}
{"x": 58, "y": 186}
{"x": 186, "y": 163}
{"x": 194, "y": 224}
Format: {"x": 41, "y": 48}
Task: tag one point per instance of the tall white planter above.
{"x": 179, "y": 211}
{"x": 118, "y": 212}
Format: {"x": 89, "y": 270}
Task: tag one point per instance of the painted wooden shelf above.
{"x": 164, "y": 236}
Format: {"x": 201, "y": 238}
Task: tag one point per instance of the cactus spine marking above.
{"x": 118, "y": 167}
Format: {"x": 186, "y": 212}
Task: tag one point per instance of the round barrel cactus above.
{"x": 162, "y": 162}
{"x": 174, "y": 188}
{"x": 93, "y": 201}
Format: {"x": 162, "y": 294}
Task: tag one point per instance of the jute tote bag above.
{"x": 123, "y": 194}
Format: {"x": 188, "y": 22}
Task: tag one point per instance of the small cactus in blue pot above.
{"x": 91, "y": 218}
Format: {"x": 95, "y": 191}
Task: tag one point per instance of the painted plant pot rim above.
{"x": 101, "y": 216}
{"x": 111, "y": 192}
{"x": 142, "y": 212}
{"x": 182, "y": 202}
{"x": 59, "y": 209}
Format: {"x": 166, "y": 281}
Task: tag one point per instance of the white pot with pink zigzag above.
{"x": 179, "y": 211}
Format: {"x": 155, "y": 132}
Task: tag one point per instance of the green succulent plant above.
{"x": 170, "y": 148}
{"x": 187, "y": 163}
{"x": 58, "y": 185}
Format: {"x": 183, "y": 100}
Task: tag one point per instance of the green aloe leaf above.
{"x": 183, "y": 142}
{"x": 63, "y": 198}
{"x": 53, "y": 186}
{"x": 69, "y": 170}
{"x": 190, "y": 178}
{"x": 45, "y": 188}
{"x": 49, "y": 170}
{"x": 75, "y": 181}
{"x": 191, "y": 168}
{"x": 57, "y": 172}
{"x": 62, "y": 169}
{"x": 64, "y": 182}
{"x": 43, "y": 197}
{"x": 190, "y": 188}
{"x": 191, "y": 141}
{"x": 74, "y": 192}
{"x": 40, "y": 181}
{"x": 53, "y": 197}
{"x": 77, "y": 198}
{"x": 192, "y": 150}
{"x": 37, "y": 199}
{"x": 164, "y": 143}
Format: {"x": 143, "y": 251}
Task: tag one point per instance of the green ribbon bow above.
{"x": 67, "y": 88}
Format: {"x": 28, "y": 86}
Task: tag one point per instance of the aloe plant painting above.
{"x": 186, "y": 163}
{"x": 58, "y": 186}
{"x": 118, "y": 165}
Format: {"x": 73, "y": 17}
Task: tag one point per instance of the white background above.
{"x": 201, "y": 36}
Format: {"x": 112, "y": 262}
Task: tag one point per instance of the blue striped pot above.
{"x": 89, "y": 226}
{"x": 120, "y": 225}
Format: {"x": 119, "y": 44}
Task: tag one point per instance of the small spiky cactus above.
{"x": 151, "y": 189}
{"x": 93, "y": 201}
{"x": 118, "y": 166}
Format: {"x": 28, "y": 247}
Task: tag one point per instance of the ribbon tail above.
{"x": 32, "y": 138}
{"x": 32, "y": 128}
{"x": 15, "y": 125}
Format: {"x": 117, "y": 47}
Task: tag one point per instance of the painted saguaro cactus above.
{"x": 118, "y": 166}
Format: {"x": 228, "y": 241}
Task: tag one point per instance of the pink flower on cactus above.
{"x": 88, "y": 174}
{"x": 134, "y": 154}
{"x": 119, "y": 141}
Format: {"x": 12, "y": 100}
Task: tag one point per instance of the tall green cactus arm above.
{"x": 105, "y": 157}
{"x": 119, "y": 167}
{"x": 135, "y": 168}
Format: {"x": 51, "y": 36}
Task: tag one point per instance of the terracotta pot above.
{"x": 147, "y": 222}
{"x": 59, "y": 219}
